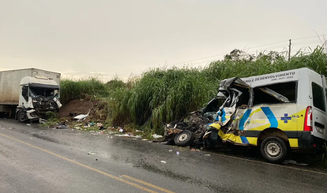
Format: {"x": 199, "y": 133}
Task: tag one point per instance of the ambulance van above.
{"x": 277, "y": 112}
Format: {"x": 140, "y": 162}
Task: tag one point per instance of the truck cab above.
{"x": 38, "y": 96}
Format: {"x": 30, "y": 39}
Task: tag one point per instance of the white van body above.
{"x": 275, "y": 111}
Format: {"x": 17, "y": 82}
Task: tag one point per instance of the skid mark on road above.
{"x": 96, "y": 170}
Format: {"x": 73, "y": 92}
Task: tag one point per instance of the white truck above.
{"x": 28, "y": 94}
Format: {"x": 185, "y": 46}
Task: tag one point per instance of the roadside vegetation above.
{"x": 162, "y": 95}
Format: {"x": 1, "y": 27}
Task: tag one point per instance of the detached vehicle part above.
{"x": 183, "y": 138}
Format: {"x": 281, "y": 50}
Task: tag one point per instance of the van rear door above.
{"x": 319, "y": 116}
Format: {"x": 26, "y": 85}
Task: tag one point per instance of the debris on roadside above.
{"x": 92, "y": 153}
{"x": 81, "y": 117}
{"x": 61, "y": 126}
{"x": 157, "y": 136}
{"x": 294, "y": 163}
{"x": 122, "y": 135}
{"x": 42, "y": 121}
{"x": 164, "y": 162}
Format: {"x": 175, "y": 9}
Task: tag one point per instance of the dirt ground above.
{"x": 77, "y": 107}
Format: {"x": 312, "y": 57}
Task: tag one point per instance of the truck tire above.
{"x": 22, "y": 117}
{"x": 274, "y": 149}
{"x": 183, "y": 138}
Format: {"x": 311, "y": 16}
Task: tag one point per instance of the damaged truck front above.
{"x": 277, "y": 112}
{"x": 28, "y": 94}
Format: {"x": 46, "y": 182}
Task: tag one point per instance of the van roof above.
{"x": 277, "y": 77}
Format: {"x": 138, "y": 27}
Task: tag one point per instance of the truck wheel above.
{"x": 183, "y": 138}
{"x": 274, "y": 149}
{"x": 22, "y": 117}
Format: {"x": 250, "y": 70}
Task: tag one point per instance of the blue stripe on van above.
{"x": 273, "y": 121}
{"x": 244, "y": 119}
{"x": 244, "y": 139}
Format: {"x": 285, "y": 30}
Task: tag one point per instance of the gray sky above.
{"x": 81, "y": 38}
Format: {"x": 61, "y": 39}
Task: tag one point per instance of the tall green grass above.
{"x": 160, "y": 96}
{"x": 70, "y": 89}
{"x": 164, "y": 95}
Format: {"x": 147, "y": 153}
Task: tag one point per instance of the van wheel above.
{"x": 274, "y": 149}
{"x": 183, "y": 138}
{"x": 22, "y": 117}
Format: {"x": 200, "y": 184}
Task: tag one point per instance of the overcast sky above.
{"x": 81, "y": 38}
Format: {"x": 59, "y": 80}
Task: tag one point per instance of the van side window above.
{"x": 286, "y": 90}
{"x": 318, "y": 96}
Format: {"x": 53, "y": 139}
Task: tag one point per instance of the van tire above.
{"x": 183, "y": 138}
{"x": 274, "y": 149}
{"x": 22, "y": 117}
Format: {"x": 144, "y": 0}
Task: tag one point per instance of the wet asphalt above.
{"x": 39, "y": 159}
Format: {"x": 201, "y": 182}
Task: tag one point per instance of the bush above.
{"x": 80, "y": 89}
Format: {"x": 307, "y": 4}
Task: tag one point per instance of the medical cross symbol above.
{"x": 286, "y": 118}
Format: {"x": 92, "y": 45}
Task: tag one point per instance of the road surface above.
{"x": 38, "y": 159}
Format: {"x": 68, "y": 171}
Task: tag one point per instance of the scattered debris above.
{"x": 82, "y": 116}
{"x": 164, "y": 162}
{"x": 111, "y": 128}
{"x": 121, "y": 130}
{"x": 28, "y": 124}
{"x": 42, "y": 121}
{"x": 61, "y": 126}
{"x": 122, "y": 135}
{"x": 178, "y": 153}
{"x": 157, "y": 136}
{"x": 294, "y": 163}
{"x": 92, "y": 153}
{"x": 207, "y": 155}
{"x": 170, "y": 150}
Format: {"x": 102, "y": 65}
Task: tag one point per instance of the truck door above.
{"x": 319, "y": 118}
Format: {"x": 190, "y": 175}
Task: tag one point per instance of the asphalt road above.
{"x": 36, "y": 159}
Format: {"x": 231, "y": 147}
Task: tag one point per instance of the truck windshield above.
{"x": 45, "y": 92}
